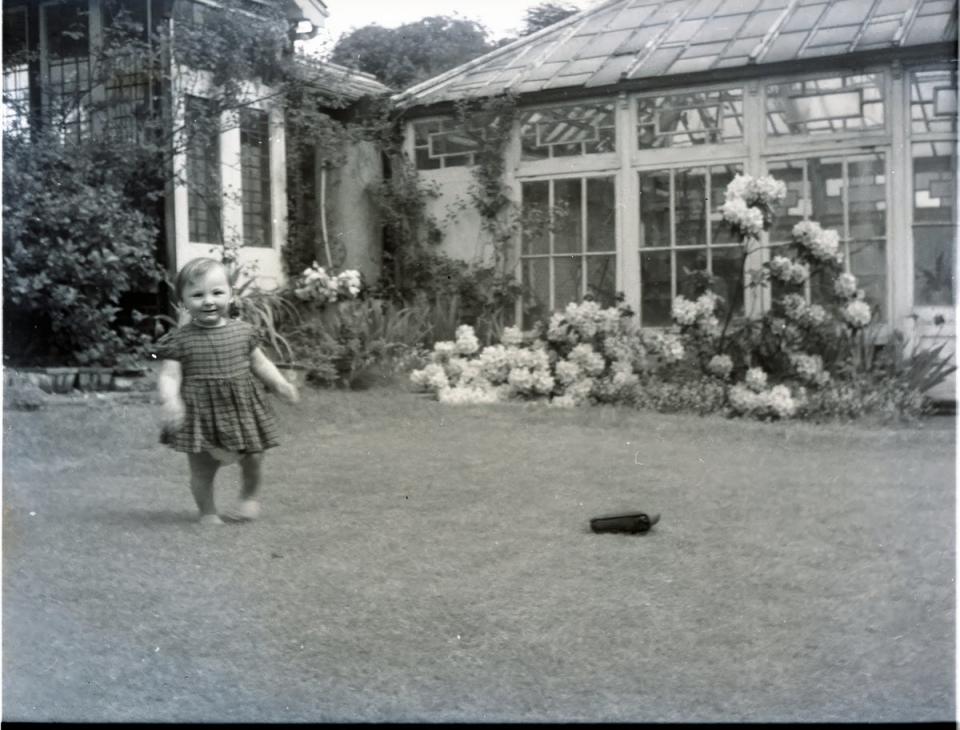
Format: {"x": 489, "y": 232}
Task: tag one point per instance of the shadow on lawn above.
{"x": 142, "y": 517}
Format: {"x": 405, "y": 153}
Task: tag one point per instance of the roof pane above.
{"x": 936, "y": 6}
{"x": 668, "y": 11}
{"x": 846, "y": 12}
{"x": 804, "y": 18}
{"x": 705, "y": 49}
{"x": 658, "y": 62}
{"x": 605, "y": 44}
{"x": 730, "y": 7}
{"x": 635, "y": 17}
{"x": 704, "y": 9}
{"x": 879, "y": 32}
{"x": 568, "y": 49}
{"x": 742, "y": 47}
{"x": 829, "y": 36}
{"x": 760, "y": 23}
{"x": 639, "y": 40}
{"x": 599, "y": 21}
{"x": 544, "y": 71}
{"x": 689, "y": 65}
{"x": 725, "y": 27}
{"x": 814, "y": 51}
{"x": 584, "y": 65}
{"x": 610, "y": 73}
{"x": 732, "y": 61}
{"x": 888, "y": 7}
{"x": 684, "y": 31}
{"x": 560, "y": 81}
{"x": 784, "y": 46}
{"x": 928, "y": 29}
{"x": 773, "y": 4}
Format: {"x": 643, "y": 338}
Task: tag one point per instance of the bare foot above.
{"x": 245, "y": 511}
{"x": 210, "y": 520}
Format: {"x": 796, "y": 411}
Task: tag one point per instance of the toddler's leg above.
{"x": 249, "y": 507}
{"x": 203, "y": 468}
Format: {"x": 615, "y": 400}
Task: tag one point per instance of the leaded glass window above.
{"x": 681, "y": 233}
{"x": 67, "y": 82}
{"x": 830, "y": 105}
{"x": 255, "y": 177}
{"x": 128, "y": 88}
{"x": 568, "y": 244}
{"x": 684, "y": 120}
{"x": 16, "y": 84}
{"x": 567, "y": 131}
{"x": 203, "y": 171}
{"x": 441, "y": 143}
{"x": 934, "y": 222}
{"x": 933, "y": 100}
{"x": 849, "y": 194}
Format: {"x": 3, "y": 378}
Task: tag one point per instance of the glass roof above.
{"x": 631, "y": 39}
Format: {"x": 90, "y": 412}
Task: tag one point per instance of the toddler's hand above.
{"x": 288, "y": 391}
{"x": 173, "y": 413}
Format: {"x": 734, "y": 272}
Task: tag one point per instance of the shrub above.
{"x": 73, "y": 245}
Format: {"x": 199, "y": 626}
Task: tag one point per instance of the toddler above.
{"x": 214, "y": 407}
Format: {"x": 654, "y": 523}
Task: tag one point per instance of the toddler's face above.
{"x": 207, "y": 298}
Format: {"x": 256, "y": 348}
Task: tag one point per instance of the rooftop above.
{"x": 620, "y": 41}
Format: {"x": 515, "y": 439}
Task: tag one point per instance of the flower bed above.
{"x": 801, "y": 358}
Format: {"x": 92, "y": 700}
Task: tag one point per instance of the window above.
{"x": 934, "y": 222}
{"x": 933, "y": 101}
{"x": 681, "y": 232}
{"x": 442, "y": 143}
{"x": 67, "y": 65}
{"x": 568, "y": 244}
{"x": 684, "y": 120}
{"x": 826, "y": 106}
{"x": 16, "y": 86}
{"x": 126, "y": 45}
{"x": 255, "y": 174}
{"x": 203, "y": 171}
{"x": 847, "y": 193}
{"x": 567, "y": 131}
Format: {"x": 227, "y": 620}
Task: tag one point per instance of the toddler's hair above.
{"x": 193, "y": 270}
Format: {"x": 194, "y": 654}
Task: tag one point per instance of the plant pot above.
{"x": 295, "y": 374}
{"x": 94, "y": 379}
{"x": 62, "y": 379}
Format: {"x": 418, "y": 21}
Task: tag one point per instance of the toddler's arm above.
{"x": 168, "y": 386}
{"x": 268, "y": 373}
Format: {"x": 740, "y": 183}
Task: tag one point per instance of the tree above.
{"x": 544, "y": 14}
{"x": 403, "y": 56}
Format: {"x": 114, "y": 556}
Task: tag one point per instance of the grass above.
{"x": 418, "y": 562}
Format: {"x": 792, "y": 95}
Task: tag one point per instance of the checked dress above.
{"x": 226, "y": 404}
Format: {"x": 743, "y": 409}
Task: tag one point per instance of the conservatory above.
{"x": 632, "y": 117}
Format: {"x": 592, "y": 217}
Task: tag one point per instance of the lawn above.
{"x": 420, "y": 562}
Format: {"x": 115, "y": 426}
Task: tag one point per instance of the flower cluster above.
{"x": 776, "y": 402}
{"x": 750, "y": 203}
{"x": 763, "y": 191}
{"x": 818, "y": 244}
{"x": 809, "y": 368}
{"x": 787, "y": 271}
{"x": 721, "y": 366}
{"x": 581, "y": 322}
{"x": 857, "y": 314}
{"x": 845, "y": 286}
{"x": 699, "y": 313}
{"x": 316, "y": 285}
